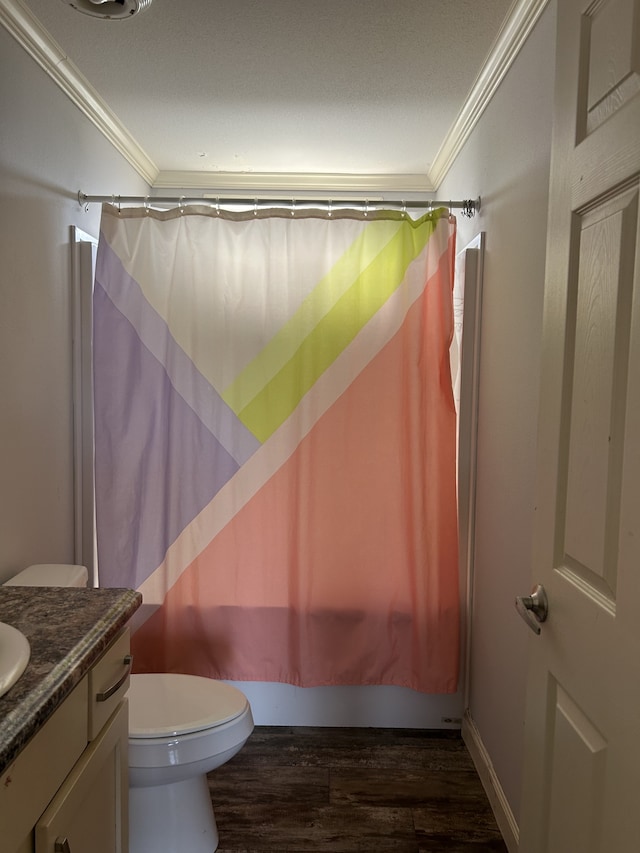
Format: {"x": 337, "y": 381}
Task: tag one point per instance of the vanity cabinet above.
{"x": 67, "y": 790}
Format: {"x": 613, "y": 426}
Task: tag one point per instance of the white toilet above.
{"x": 180, "y": 728}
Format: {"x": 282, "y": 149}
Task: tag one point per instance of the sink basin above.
{"x": 14, "y": 656}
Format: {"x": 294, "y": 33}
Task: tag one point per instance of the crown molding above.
{"x": 29, "y": 33}
{"x": 247, "y": 182}
{"x": 515, "y": 30}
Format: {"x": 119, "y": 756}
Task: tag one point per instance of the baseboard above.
{"x": 501, "y": 809}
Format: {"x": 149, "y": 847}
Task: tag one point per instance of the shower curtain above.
{"x": 275, "y": 443}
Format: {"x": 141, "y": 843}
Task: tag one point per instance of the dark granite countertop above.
{"x": 68, "y": 629}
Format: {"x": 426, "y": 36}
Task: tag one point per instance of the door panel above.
{"x": 579, "y": 763}
{"x": 600, "y": 313}
{"x": 611, "y": 57}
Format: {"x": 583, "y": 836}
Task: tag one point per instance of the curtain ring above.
{"x": 404, "y": 208}
{"x": 330, "y": 207}
{"x": 218, "y": 206}
{"x": 146, "y": 205}
{"x": 255, "y": 207}
{"x": 181, "y": 205}
{"x": 293, "y": 207}
{"x": 366, "y": 207}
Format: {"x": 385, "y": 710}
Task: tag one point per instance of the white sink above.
{"x": 14, "y": 656}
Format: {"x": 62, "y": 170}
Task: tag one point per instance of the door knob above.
{"x": 533, "y": 608}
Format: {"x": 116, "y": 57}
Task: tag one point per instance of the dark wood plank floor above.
{"x": 301, "y": 790}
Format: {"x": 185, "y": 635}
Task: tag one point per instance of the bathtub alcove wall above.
{"x": 285, "y": 704}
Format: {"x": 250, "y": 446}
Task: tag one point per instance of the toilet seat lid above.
{"x": 162, "y": 704}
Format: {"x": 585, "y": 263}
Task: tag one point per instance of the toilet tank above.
{"x": 50, "y": 574}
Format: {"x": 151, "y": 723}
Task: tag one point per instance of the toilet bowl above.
{"x": 181, "y": 727}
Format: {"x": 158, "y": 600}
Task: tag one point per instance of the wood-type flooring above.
{"x": 338, "y": 790}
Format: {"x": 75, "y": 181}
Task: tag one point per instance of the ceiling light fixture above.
{"x": 109, "y": 10}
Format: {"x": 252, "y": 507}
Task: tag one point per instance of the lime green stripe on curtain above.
{"x": 398, "y": 244}
{"x": 325, "y": 294}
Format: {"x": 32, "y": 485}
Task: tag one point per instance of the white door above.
{"x": 582, "y": 737}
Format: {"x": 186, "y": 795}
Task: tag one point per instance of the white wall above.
{"x": 48, "y": 151}
{"x": 506, "y": 162}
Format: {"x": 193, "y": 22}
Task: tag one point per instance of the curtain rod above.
{"x": 469, "y": 207}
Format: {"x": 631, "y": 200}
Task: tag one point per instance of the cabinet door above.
{"x": 90, "y": 811}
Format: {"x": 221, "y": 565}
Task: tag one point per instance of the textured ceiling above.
{"x": 284, "y": 86}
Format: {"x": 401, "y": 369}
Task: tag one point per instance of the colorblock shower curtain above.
{"x": 275, "y": 443}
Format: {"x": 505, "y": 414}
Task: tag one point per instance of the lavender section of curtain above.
{"x": 153, "y": 454}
